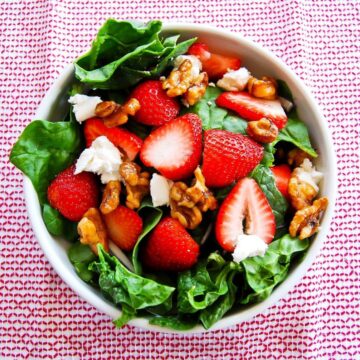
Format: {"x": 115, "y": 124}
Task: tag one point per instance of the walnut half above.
{"x": 137, "y": 183}
{"x": 263, "y": 130}
{"x": 306, "y": 221}
{"x": 92, "y": 230}
{"x": 111, "y": 197}
{"x": 188, "y": 203}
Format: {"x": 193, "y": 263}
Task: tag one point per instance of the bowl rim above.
{"x": 78, "y": 286}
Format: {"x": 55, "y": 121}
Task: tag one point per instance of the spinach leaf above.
{"x": 235, "y": 124}
{"x": 81, "y": 257}
{"x": 44, "y": 149}
{"x": 131, "y": 291}
{"x": 151, "y": 216}
{"x": 221, "y": 306}
{"x": 296, "y": 132}
{"x": 268, "y": 158}
{"x": 262, "y": 274}
{"x": 125, "y": 52}
{"x": 174, "y": 322}
{"x": 57, "y": 225}
{"x": 265, "y": 179}
{"x": 284, "y": 91}
{"x": 212, "y": 116}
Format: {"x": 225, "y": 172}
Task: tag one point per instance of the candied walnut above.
{"x": 111, "y": 197}
{"x": 306, "y": 221}
{"x": 301, "y": 193}
{"x": 197, "y": 90}
{"x": 92, "y": 230}
{"x": 114, "y": 114}
{"x": 263, "y": 130}
{"x": 296, "y": 157}
{"x": 188, "y": 203}
{"x": 137, "y": 183}
{"x": 266, "y": 88}
{"x": 182, "y": 81}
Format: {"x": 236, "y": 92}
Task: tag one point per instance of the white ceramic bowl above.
{"x": 260, "y": 62}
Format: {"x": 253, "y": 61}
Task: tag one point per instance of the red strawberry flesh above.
{"x": 228, "y": 157}
{"x": 245, "y": 203}
{"x": 121, "y": 138}
{"x": 251, "y": 108}
{"x": 174, "y": 149}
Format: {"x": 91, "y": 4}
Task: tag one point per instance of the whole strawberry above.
{"x": 73, "y": 195}
{"x": 228, "y": 157}
{"x": 156, "y": 108}
{"x": 170, "y": 247}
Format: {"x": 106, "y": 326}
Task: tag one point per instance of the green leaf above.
{"x": 126, "y": 52}
{"x": 57, "y": 225}
{"x": 174, "y": 322}
{"x": 126, "y": 288}
{"x": 151, "y": 216}
{"x": 265, "y": 179}
{"x": 268, "y": 158}
{"x": 296, "y": 133}
{"x": 284, "y": 91}
{"x": 127, "y": 313}
{"x": 235, "y": 124}
{"x": 81, "y": 256}
{"x": 262, "y": 274}
{"x": 212, "y": 116}
{"x": 44, "y": 149}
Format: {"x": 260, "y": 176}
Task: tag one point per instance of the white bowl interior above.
{"x": 260, "y": 62}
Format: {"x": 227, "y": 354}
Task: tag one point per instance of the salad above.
{"x": 186, "y": 185}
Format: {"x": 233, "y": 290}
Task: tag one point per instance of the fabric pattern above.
{"x": 41, "y": 318}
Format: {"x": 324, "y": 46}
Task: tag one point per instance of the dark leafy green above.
{"x": 268, "y": 158}
{"x": 235, "y": 124}
{"x": 284, "y": 90}
{"x": 151, "y": 216}
{"x": 44, "y": 149}
{"x": 81, "y": 257}
{"x": 211, "y": 115}
{"x": 174, "y": 322}
{"x": 57, "y": 225}
{"x": 265, "y": 179}
{"x": 262, "y": 274}
{"x": 131, "y": 291}
{"x": 126, "y": 52}
{"x": 296, "y": 133}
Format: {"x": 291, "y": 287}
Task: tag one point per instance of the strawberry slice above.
{"x": 228, "y": 157}
{"x": 174, "y": 149}
{"x": 251, "y": 108}
{"x": 170, "y": 247}
{"x": 124, "y": 227}
{"x": 215, "y": 65}
{"x": 245, "y": 203}
{"x": 124, "y": 139}
{"x": 282, "y": 174}
{"x": 156, "y": 107}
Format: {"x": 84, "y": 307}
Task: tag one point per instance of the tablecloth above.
{"x": 41, "y": 318}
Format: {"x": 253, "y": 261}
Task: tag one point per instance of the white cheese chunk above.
{"x": 84, "y": 106}
{"x": 307, "y": 173}
{"x": 234, "y": 80}
{"x": 160, "y": 190}
{"x": 195, "y": 62}
{"x": 101, "y": 158}
{"x": 248, "y": 246}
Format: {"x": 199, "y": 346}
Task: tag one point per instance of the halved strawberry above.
{"x": 156, "y": 107}
{"x": 124, "y": 227}
{"x": 215, "y": 65}
{"x": 251, "y": 108}
{"x": 170, "y": 247}
{"x": 124, "y": 139}
{"x": 245, "y": 203}
{"x": 174, "y": 149}
{"x": 228, "y": 157}
{"x": 282, "y": 174}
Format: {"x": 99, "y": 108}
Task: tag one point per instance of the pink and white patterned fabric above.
{"x": 41, "y": 318}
